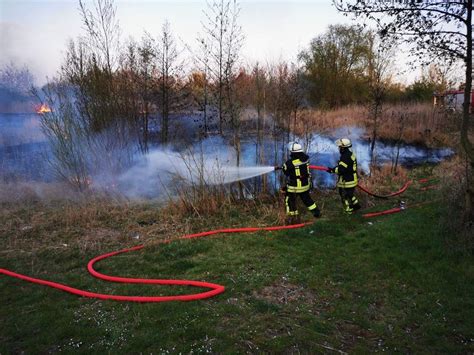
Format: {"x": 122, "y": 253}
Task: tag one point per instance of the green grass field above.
{"x": 343, "y": 284}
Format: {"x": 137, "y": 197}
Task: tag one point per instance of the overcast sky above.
{"x": 35, "y": 32}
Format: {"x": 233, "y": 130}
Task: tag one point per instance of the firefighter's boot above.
{"x": 316, "y": 213}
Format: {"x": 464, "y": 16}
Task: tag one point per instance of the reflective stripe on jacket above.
{"x": 347, "y": 170}
{"x": 298, "y": 176}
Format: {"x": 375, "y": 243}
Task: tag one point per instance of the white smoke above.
{"x": 160, "y": 172}
{"x": 116, "y": 166}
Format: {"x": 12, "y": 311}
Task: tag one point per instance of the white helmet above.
{"x": 344, "y": 143}
{"x": 295, "y": 147}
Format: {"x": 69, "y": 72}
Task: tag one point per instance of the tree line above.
{"x": 129, "y": 86}
{"x": 156, "y": 76}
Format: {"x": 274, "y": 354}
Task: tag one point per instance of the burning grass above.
{"x": 42, "y": 109}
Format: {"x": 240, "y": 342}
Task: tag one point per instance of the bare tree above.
{"x": 169, "y": 69}
{"x": 16, "y": 84}
{"x": 259, "y": 76}
{"x": 136, "y": 86}
{"x": 259, "y": 102}
{"x": 15, "y": 79}
{"x": 147, "y": 68}
{"x": 233, "y": 44}
{"x": 103, "y": 30}
{"x": 379, "y": 70}
{"x": 65, "y": 134}
{"x": 280, "y": 103}
{"x": 88, "y": 127}
{"x": 295, "y": 95}
{"x": 201, "y": 82}
{"x": 400, "y": 119}
{"x": 224, "y": 38}
{"x": 90, "y": 65}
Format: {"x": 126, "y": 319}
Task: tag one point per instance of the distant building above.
{"x": 452, "y": 99}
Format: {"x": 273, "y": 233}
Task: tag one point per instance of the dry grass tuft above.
{"x": 95, "y": 224}
{"x": 29, "y": 192}
{"x": 322, "y": 121}
{"x": 382, "y": 180}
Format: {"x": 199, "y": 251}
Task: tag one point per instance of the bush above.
{"x": 458, "y": 235}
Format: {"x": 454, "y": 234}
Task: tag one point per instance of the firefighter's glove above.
{"x": 330, "y": 170}
{"x": 283, "y": 189}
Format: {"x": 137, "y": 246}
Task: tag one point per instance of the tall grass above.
{"x": 458, "y": 235}
{"x": 418, "y": 123}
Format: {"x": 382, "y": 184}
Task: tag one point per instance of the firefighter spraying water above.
{"x": 297, "y": 171}
{"x": 298, "y": 183}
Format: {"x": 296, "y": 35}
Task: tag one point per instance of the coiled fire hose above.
{"x": 215, "y": 289}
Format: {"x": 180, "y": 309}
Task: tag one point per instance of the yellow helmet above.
{"x": 344, "y": 143}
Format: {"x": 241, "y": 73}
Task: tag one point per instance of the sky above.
{"x": 35, "y": 32}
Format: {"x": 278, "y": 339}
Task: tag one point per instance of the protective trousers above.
{"x": 290, "y": 202}
{"x": 349, "y": 201}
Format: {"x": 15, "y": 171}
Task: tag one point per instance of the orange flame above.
{"x": 43, "y": 109}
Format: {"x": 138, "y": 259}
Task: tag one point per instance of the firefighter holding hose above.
{"x": 346, "y": 170}
{"x": 298, "y": 183}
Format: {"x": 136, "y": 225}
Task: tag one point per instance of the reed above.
{"x": 416, "y": 123}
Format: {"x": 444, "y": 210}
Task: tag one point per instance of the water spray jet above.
{"x": 230, "y": 174}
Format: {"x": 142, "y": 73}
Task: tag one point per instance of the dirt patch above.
{"x": 284, "y": 292}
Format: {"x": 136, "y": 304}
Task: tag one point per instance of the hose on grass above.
{"x": 215, "y": 289}
{"x": 398, "y": 209}
{"x": 392, "y": 194}
{"x": 383, "y": 213}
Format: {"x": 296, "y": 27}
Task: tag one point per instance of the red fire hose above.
{"x": 317, "y": 167}
{"x": 382, "y": 213}
{"x": 215, "y": 288}
{"x": 392, "y": 194}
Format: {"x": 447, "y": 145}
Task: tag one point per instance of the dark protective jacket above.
{"x": 347, "y": 169}
{"x": 296, "y": 170}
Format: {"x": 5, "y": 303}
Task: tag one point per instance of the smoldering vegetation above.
{"x": 153, "y": 118}
{"x": 102, "y": 165}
